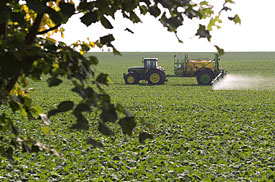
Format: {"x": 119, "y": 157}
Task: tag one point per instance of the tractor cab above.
{"x": 150, "y": 63}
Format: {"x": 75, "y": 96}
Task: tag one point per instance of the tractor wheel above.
{"x": 131, "y": 78}
{"x": 156, "y": 77}
{"x": 205, "y": 77}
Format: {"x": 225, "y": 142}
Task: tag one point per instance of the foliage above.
{"x": 28, "y": 52}
{"x": 199, "y": 134}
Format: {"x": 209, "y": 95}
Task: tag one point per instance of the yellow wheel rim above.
{"x": 130, "y": 79}
{"x": 154, "y": 77}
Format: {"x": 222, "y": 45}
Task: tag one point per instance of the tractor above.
{"x": 207, "y": 71}
{"x": 150, "y": 72}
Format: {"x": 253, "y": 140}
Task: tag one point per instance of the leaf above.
{"x": 93, "y": 60}
{"x": 127, "y": 29}
{"x": 220, "y": 51}
{"x": 89, "y": 18}
{"x": 166, "y": 4}
{"x": 67, "y": 9}
{"x": 103, "y": 78}
{"x": 203, "y": 33}
{"x": 154, "y": 10}
{"x": 105, "y": 130}
{"x": 127, "y": 124}
{"x": 143, "y": 136}
{"x": 53, "y": 81}
{"x": 134, "y": 18}
{"x": 236, "y": 19}
{"x": 56, "y": 17}
{"x": 225, "y": 8}
{"x": 65, "y": 106}
{"x": 143, "y": 9}
{"x": 107, "y": 39}
{"x": 36, "y": 6}
{"x": 94, "y": 143}
{"x": 105, "y": 22}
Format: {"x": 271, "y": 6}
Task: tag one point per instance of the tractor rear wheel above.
{"x": 205, "y": 77}
{"x": 131, "y": 78}
{"x": 156, "y": 77}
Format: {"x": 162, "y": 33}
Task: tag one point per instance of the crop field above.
{"x": 200, "y": 134}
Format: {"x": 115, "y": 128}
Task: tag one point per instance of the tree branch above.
{"x": 34, "y": 29}
{"x": 50, "y": 29}
{"x": 3, "y": 29}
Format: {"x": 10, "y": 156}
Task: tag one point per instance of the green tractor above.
{"x": 150, "y": 72}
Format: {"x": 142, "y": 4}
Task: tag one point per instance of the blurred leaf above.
{"x": 203, "y": 33}
{"x": 134, "y": 18}
{"x": 236, "y": 19}
{"x": 220, "y": 51}
{"x": 107, "y": 39}
{"x": 105, "y": 22}
{"x": 154, "y": 10}
{"x": 143, "y": 136}
{"x": 36, "y": 6}
{"x": 127, "y": 124}
{"x": 93, "y": 60}
{"x": 127, "y": 29}
{"x": 89, "y": 18}
{"x": 105, "y": 130}
{"x": 67, "y": 9}
{"x": 102, "y": 78}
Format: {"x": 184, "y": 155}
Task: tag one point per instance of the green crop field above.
{"x": 199, "y": 134}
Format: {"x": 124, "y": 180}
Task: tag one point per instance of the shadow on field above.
{"x": 146, "y": 84}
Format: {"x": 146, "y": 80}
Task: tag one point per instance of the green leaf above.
{"x": 220, "y": 51}
{"x": 154, "y": 10}
{"x": 143, "y": 9}
{"x": 56, "y": 17}
{"x": 107, "y": 39}
{"x": 203, "y": 33}
{"x": 67, "y": 9}
{"x": 53, "y": 81}
{"x": 103, "y": 78}
{"x": 65, "y": 106}
{"x": 134, "y": 18}
{"x": 36, "y": 6}
{"x": 127, "y": 124}
{"x": 143, "y": 136}
{"x": 105, "y": 22}
{"x": 236, "y": 19}
{"x": 93, "y": 60}
{"x": 89, "y": 18}
{"x": 105, "y": 130}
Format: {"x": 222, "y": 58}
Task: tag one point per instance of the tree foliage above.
{"x": 27, "y": 51}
